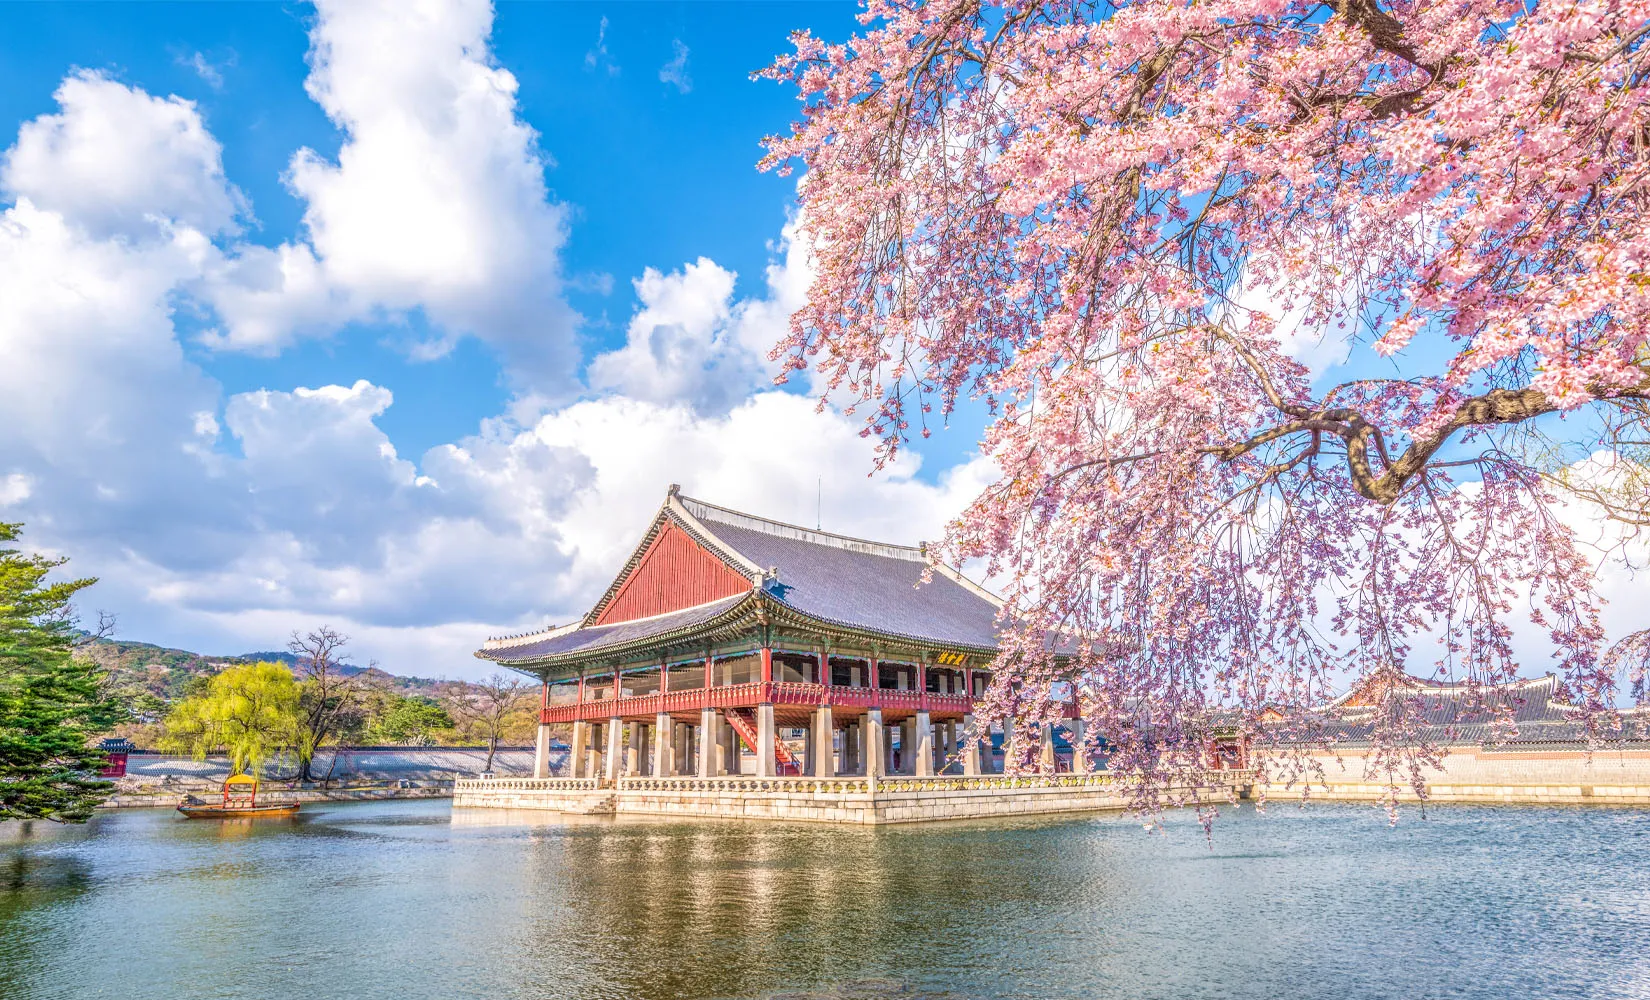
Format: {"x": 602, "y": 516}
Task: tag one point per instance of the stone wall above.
{"x": 856, "y": 801}
{"x": 1474, "y": 774}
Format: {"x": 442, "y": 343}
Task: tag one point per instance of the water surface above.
{"x": 411, "y": 900}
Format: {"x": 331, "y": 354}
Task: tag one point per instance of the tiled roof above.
{"x": 836, "y": 580}
{"x": 852, "y": 582}
{"x": 591, "y": 638}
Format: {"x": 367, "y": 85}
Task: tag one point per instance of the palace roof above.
{"x": 751, "y": 567}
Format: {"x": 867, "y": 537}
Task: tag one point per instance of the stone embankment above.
{"x": 1477, "y": 774}
{"x": 160, "y": 780}
{"x": 853, "y": 800}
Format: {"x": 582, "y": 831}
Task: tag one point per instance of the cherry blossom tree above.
{"x": 1118, "y": 224}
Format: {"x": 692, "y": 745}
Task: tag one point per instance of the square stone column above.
{"x": 615, "y": 749}
{"x": 664, "y": 735}
{"x": 876, "y": 744}
{"x": 710, "y": 748}
{"x": 681, "y": 746}
{"x": 1008, "y": 738}
{"x": 577, "y": 749}
{"x": 1080, "y": 763}
{"x": 924, "y": 747}
{"x": 1046, "y": 762}
{"x": 765, "y": 763}
{"x": 541, "y": 752}
{"x": 633, "y": 743}
{"x": 823, "y": 761}
{"x": 971, "y": 758}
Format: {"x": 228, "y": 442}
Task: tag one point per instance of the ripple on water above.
{"x": 406, "y": 900}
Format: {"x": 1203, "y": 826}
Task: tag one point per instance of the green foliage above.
{"x": 50, "y": 701}
{"x": 250, "y": 710}
{"x": 416, "y": 721}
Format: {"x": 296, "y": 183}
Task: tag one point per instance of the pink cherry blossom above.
{"x": 1060, "y": 209}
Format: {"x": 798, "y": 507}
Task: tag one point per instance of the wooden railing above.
{"x": 751, "y": 695}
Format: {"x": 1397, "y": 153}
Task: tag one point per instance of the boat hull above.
{"x": 232, "y": 812}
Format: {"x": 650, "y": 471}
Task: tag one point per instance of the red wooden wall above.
{"x": 674, "y": 573}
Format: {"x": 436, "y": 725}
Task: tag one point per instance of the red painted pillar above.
{"x": 922, "y": 684}
{"x": 767, "y": 665}
{"x": 618, "y": 683}
{"x": 968, "y": 682}
{"x": 664, "y": 677}
{"x": 544, "y": 695}
{"x": 710, "y": 670}
{"x": 876, "y": 679}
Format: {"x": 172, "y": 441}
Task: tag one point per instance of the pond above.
{"x": 413, "y": 900}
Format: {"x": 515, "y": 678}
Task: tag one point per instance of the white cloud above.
{"x": 436, "y": 202}
{"x": 675, "y": 72}
{"x": 222, "y": 522}
{"x": 689, "y": 343}
{"x": 211, "y": 73}
{"x": 117, "y": 161}
{"x": 598, "y": 56}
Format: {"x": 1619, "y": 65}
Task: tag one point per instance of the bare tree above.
{"x": 488, "y": 709}
{"x": 329, "y": 694}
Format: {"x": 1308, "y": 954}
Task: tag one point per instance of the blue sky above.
{"x": 401, "y": 317}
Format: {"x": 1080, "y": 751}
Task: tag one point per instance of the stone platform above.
{"x": 853, "y": 800}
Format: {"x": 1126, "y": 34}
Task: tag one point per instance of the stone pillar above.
{"x": 730, "y": 749}
{"x": 971, "y": 758}
{"x": 1045, "y": 756}
{"x": 823, "y": 761}
{"x": 578, "y": 749}
{"x": 764, "y": 741}
{"x": 876, "y": 744}
{"x": 924, "y": 747}
{"x": 1079, "y": 753}
{"x": 664, "y": 738}
{"x": 615, "y": 749}
{"x": 541, "y": 752}
{"x": 1008, "y": 737}
{"x": 681, "y": 744}
{"x": 633, "y": 743}
{"x": 710, "y": 748}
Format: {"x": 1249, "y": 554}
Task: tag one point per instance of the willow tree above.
{"x": 50, "y": 700}
{"x": 1113, "y": 221}
{"x": 250, "y": 711}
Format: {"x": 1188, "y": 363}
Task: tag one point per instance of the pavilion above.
{"x": 723, "y": 630}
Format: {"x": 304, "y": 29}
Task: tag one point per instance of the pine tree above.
{"x": 50, "y": 700}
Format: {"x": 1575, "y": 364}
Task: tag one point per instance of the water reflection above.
{"x": 404, "y": 900}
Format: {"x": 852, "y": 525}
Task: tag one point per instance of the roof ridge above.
{"x": 766, "y": 525}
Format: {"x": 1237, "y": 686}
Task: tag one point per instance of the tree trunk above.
{"x": 492, "y": 748}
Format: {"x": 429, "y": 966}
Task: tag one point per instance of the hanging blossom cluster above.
{"x": 1107, "y": 220}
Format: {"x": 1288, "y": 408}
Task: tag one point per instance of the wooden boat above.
{"x": 240, "y": 801}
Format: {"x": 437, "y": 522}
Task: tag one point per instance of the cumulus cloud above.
{"x": 690, "y": 343}
{"x": 436, "y": 201}
{"x": 117, "y": 161}
{"x": 223, "y": 520}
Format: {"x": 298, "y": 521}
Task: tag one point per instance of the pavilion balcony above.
{"x": 749, "y": 695}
